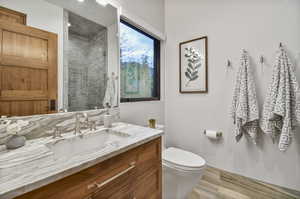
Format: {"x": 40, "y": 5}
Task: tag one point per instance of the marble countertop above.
{"x": 45, "y": 173}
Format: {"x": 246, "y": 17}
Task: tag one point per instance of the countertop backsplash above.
{"x": 43, "y": 125}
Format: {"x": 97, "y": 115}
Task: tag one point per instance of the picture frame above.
{"x": 193, "y": 66}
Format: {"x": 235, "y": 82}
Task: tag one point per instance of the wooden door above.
{"x": 12, "y": 16}
{"x": 28, "y": 70}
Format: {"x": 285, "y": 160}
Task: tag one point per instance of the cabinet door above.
{"x": 148, "y": 184}
{"x": 120, "y": 186}
{"x": 103, "y": 180}
{"x": 28, "y": 70}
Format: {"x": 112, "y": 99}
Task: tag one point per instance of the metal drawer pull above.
{"x": 99, "y": 185}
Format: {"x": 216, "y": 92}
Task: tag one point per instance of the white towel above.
{"x": 111, "y": 93}
{"x": 244, "y": 108}
{"x": 280, "y": 107}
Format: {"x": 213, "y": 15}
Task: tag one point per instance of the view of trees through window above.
{"x": 138, "y": 64}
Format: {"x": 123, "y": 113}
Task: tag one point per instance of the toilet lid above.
{"x": 181, "y": 158}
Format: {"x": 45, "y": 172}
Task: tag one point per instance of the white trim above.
{"x": 137, "y": 21}
{"x": 114, "y": 3}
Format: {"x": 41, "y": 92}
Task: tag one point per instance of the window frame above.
{"x": 156, "y": 63}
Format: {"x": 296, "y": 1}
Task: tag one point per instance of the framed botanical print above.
{"x": 193, "y": 66}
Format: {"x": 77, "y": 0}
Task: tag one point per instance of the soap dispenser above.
{"x": 107, "y": 118}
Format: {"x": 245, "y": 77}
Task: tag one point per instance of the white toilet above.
{"x": 181, "y": 172}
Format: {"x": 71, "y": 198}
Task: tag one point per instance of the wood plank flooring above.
{"x": 219, "y": 184}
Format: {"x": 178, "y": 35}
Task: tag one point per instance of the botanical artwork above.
{"x": 194, "y": 63}
{"x": 193, "y": 66}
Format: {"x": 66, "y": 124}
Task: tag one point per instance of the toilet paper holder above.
{"x": 218, "y": 134}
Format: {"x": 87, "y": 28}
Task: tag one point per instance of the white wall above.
{"x": 152, "y": 12}
{"x": 45, "y": 16}
{"x": 258, "y": 26}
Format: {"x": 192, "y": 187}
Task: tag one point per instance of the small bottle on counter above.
{"x": 107, "y": 119}
{"x": 152, "y": 123}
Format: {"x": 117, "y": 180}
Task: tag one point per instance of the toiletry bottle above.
{"x": 107, "y": 119}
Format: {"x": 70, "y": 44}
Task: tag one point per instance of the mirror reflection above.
{"x": 87, "y": 63}
{"x": 57, "y": 56}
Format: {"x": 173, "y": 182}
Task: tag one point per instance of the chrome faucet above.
{"x": 79, "y": 124}
{"x": 57, "y": 132}
{"x": 85, "y": 120}
{"x": 92, "y": 125}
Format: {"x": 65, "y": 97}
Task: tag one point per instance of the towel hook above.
{"x": 280, "y": 45}
{"x": 228, "y": 64}
{"x": 262, "y": 61}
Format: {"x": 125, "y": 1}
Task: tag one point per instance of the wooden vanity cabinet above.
{"x": 135, "y": 174}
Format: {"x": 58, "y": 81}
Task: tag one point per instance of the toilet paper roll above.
{"x": 213, "y": 134}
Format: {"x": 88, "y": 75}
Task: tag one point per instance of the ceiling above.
{"x": 83, "y": 27}
{"x": 91, "y": 10}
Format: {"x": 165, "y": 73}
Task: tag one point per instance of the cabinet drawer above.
{"x": 81, "y": 185}
{"x": 109, "y": 170}
{"x": 119, "y": 186}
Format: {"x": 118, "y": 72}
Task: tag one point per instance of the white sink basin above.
{"x": 70, "y": 147}
{"x": 51, "y": 153}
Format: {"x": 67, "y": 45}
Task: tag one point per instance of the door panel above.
{"x": 28, "y": 69}
{"x": 23, "y": 108}
{"x": 24, "y": 80}
{"x": 18, "y": 47}
{"x": 12, "y": 16}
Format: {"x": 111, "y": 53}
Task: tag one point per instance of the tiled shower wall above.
{"x": 97, "y": 71}
{"x": 87, "y": 68}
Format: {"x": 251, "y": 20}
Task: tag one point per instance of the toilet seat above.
{"x": 182, "y": 160}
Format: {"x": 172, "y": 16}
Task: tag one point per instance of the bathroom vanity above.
{"x": 127, "y": 165}
{"x": 62, "y": 68}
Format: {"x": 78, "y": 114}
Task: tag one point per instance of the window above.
{"x": 140, "y": 59}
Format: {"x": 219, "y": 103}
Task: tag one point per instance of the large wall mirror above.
{"x": 58, "y": 56}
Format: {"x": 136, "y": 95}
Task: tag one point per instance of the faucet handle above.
{"x": 92, "y": 125}
{"x": 57, "y": 132}
{"x": 63, "y": 110}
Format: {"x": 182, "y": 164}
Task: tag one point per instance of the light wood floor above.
{"x": 218, "y": 184}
